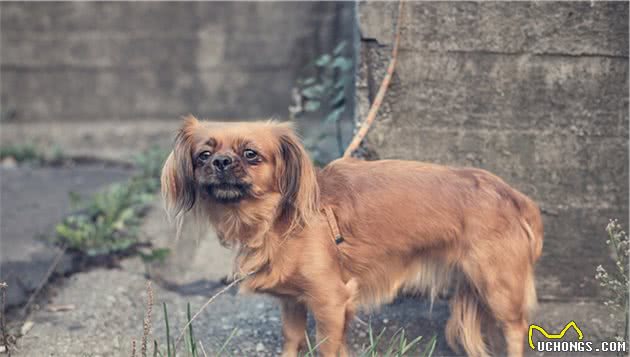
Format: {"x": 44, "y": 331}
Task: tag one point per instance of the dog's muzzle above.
{"x": 227, "y": 192}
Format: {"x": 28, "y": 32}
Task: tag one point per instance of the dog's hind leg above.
{"x": 464, "y": 324}
{"x": 510, "y": 303}
{"x": 514, "y": 332}
{"x": 503, "y": 281}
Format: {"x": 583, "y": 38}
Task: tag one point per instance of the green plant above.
{"x": 398, "y": 345}
{"x": 31, "y": 153}
{"x": 169, "y": 341}
{"x": 149, "y": 163}
{"x": 616, "y": 281}
{"x": 192, "y": 346}
{"x": 155, "y": 255}
{"x": 109, "y": 221}
{"x": 25, "y": 152}
{"x": 325, "y": 92}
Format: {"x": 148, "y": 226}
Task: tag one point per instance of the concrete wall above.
{"x": 534, "y": 92}
{"x": 92, "y": 61}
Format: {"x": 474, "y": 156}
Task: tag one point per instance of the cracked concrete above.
{"x": 32, "y": 201}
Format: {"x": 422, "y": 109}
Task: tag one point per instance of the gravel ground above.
{"x": 109, "y": 306}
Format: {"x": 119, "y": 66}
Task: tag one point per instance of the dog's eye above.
{"x": 250, "y": 154}
{"x": 204, "y": 156}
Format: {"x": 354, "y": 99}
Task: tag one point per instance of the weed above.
{"x": 156, "y": 255}
{"x": 227, "y": 341}
{"x": 169, "y": 341}
{"x": 325, "y": 93}
{"x": 149, "y": 163}
{"x": 30, "y": 153}
{"x": 3, "y": 323}
{"x": 20, "y": 153}
{"x": 109, "y": 221}
{"x": 398, "y": 345}
{"x": 191, "y": 343}
{"x": 146, "y": 330}
{"x": 616, "y": 281}
{"x": 310, "y": 349}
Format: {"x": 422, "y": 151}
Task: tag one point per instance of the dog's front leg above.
{"x": 293, "y": 327}
{"x": 330, "y": 315}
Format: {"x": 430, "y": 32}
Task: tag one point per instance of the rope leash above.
{"x": 367, "y": 123}
{"x": 380, "y": 95}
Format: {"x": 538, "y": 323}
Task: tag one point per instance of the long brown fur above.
{"x": 408, "y": 226}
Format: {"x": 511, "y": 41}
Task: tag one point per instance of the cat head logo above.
{"x": 553, "y": 336}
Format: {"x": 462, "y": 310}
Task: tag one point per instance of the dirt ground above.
{"x": 107, "y": 306}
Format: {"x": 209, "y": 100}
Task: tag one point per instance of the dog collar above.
{"x": 332, "y": 223}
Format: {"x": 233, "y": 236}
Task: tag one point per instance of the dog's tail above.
{"x": 533, "y": 229}
{"x": 464, "y": 325}
{"x": 531, "y": 222}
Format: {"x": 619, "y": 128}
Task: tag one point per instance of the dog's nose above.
{"x": 222, "y": 162}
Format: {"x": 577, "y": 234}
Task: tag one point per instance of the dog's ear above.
{"x": 177, "y": 181}
{"x": 297, "y": 182}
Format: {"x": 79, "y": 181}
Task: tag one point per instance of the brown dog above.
{"x": 408, "y": 226}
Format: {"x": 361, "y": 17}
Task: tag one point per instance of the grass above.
{"x": 29, "y": 153}
{"x": 108, "y": 222}
{"x": 398, "y": 345}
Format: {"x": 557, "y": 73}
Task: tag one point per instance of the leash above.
{"x": 380, "y": 95}
{"x": 367, "y": 123}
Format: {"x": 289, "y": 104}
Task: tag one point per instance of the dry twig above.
{"x": 3, "y": 322}
{"x": 203, "y": 349}
{"x": 147, "y": 320}
{"x": 209, "y": 302}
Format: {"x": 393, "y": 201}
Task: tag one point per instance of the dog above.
{"x": 406, "y": 226}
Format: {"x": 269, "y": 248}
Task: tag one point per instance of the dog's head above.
{"x": 229, "y": 164}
